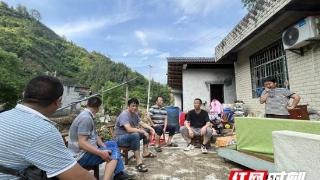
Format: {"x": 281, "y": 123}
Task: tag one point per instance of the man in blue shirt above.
{"x": 28, "y": 137}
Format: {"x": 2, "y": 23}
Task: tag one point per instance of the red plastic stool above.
{"x": 182, "y": 118}
{"x": 153, "y": 139}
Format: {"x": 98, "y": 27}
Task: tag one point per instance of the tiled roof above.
{"x": 259, "y": 15}
{"x": 191, "y": 59}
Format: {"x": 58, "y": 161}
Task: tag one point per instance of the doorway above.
{"x": 216, "y": 92}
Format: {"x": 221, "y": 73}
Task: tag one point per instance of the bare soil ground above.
{"x": 177, "y": 164}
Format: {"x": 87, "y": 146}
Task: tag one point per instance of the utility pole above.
{"x": 127, "y": 91}
{"x": 127, "y": 95}
{"x": 102, "y": 99}
{"x": 149, "y": 86}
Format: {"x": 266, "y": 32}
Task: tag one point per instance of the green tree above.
{"x": 139, "y": 92}
{"x": 29, "y": 48}
{"x": 3, "y": 4}
{"x": 11, "y": 84}
{"x": 35, "y": 14}
{"x": 113, "y": 100}
{"x": 22, "y": 10}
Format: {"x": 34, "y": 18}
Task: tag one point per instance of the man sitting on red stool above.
{"x": 158, "y": 119}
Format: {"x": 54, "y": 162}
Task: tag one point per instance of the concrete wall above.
{"x": 177, "y": 98}
{"x": 194, "y": 85}
{"x": 297, "y": 152}
{"x": 69, "y": 95}
{"x": 243, "y": 75}
{"x": 304, "y": 75}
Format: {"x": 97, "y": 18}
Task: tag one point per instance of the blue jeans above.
{"x": 89, "y": 159}
{"x": 133, "y": 140}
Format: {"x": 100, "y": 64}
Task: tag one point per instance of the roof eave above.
{"x": 251, "y": 22}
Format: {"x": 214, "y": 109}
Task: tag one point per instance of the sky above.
{"x": 139, "y": 33}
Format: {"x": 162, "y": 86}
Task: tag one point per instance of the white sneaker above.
{"x": 189, "y": 147}
{"x": 204, "y": 149}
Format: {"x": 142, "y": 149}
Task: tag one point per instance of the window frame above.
{"x": 270, "y": 61}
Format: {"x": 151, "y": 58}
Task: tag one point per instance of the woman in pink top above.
{"x": 215, "y": 114}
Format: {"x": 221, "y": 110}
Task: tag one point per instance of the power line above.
{"x": 98, "y": 94}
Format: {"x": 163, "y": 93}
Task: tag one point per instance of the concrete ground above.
{"x": 176, "y": 164}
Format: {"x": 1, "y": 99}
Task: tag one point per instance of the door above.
{"x": 216, "y": 92}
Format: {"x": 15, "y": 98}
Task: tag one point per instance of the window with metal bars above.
{"x": 268, "y": 62}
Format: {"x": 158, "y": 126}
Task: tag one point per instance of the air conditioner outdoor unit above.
{"x": 301, "y": 33}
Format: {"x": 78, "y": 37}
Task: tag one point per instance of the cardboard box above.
{"x": 225, "y": 141}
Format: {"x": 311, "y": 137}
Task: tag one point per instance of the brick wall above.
{"x": 242, "y": 71}
{"x": 243, "y": 84}
{"x": 304, "y": 75}
{"x": 303, "y": 71}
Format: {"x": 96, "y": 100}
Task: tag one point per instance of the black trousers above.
{"x": 159, "y": 129}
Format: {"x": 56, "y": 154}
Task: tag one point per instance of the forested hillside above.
{"x": 29, "y": 48}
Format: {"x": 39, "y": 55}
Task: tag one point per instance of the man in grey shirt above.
{"x": 129, "y": 134}
{"x": 277, "y": 100}
{"x": 88, "y": 147}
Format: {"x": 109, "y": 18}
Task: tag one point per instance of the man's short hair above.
{"x": 156, "y": 99}
{"x": 133, "y": 101}
{"x": 43, "y": 90}
{"x": 198, "y": 99}
{"x": 269, "y": 79}
{"x": 94, "y": 102}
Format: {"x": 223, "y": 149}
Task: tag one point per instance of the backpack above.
{"x": 30, "y": 173}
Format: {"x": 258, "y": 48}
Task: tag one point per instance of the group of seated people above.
{"x": 39, "y": 143}
{"x": 90, "y": 150}
{"x": 129, "y": 129}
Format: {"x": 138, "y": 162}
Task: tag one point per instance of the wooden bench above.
{"x": 89, "y": 168}
{"x": 124, "y": 149}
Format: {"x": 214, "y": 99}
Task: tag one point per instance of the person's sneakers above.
{"x": 189, "y": 147}
{"x": 123, "y": 176}
{"x": 204, "y": 149}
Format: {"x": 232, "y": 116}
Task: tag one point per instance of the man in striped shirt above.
{"x": 28, "y": 137}
{"x": 159, "y": 122}
{"x": 277, "y": 100}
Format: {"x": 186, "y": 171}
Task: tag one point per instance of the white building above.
{"x": 256, "y": 47}
{"x": 200, "y": 77}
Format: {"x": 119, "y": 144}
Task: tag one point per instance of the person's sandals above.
{"x": 172, "y": 145}
{"x": 158, "y": 149}
{"x": 150, "y": 155}
{"x": 141, "y": 168}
